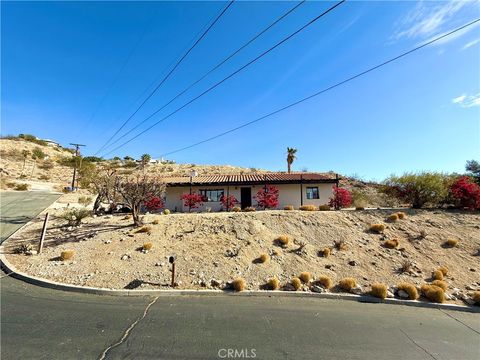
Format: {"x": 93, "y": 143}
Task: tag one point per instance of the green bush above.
{"x": 38, "y": 153}
{"x": 74, "y": 217}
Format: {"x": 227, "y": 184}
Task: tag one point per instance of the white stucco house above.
{"x": 294, "y": 189}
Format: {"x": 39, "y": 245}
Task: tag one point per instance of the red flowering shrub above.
{"x": 153, "y": 203}
{"x": 192, "y": 201}
{"x": 228, "y": 202}
{"x": 341, "y": 198}
{"x": 267, "y": 197}
{"x": 465, "y": 193}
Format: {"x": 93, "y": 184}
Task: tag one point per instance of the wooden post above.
{"x": 44, "y": 231}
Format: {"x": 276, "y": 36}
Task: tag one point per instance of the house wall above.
{"x": 289, "y": 194}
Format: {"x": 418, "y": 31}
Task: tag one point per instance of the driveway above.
{"x": 19, "y": 207}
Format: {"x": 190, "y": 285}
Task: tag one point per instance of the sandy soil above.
{"x": 224, "y": 246}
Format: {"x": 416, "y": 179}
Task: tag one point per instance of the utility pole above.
{"x": 77, "y": 146}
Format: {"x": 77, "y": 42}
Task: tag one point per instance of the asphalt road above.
{"x": 18, "y": 208}
{"x": 39, "y": 323}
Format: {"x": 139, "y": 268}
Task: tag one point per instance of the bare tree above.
{"x": 102, "y": 181}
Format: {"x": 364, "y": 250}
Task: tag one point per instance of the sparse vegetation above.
{"x": 325, "y": 281}
{"x": 410, "y": 289}
{"x": 379, "y": 291}
{"x": 406, "y": 266}
{"x": 308, "y": 208}
{"x": 74, "y": 217}
{"x": 401, "y": 215}
{"x": 340, "y": 245}
{"x": 263, "y": 258}
{"x": 441, "y": 284}
{"x": 391, "y": 244}
{"x": 444, "y": 270}
{"x": 249, "y": 209}
{"x": 347, "y": 284}
{"x": 23, "y": 249}
{"x": 84, "y": 200}
{"x": 305, "y": 276}
{"x": 377, "y": 228}
{"x": 297, "y": 283}
{"x": 289, "y": 207}
{"x": 21, "y": 187}
{"x": 433, "y": 293}
{"x": 273, "y": 284}
{"x": 283, "y": 240}
{"x": 147, "y": 246}
{"x": 239, "y": 284}
{"x": 324, "y": 207}
{"x": 67, "y": 255}
{"x": 325, "y": 252}
{"x": 451, "y": 243}
{"x": 437, "y": 275}
{"x": 423, "y": 234}
{"x": 236, "y": 209}
{"x": 392, "y": 218}
{"x": 145, "y": 229}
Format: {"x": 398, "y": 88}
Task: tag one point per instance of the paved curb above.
{"x": 5, "y": 264}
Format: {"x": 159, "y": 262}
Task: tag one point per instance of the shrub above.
{"x": 377, "y": 228}
{"x": 264, "y": 258}
{"x": 228, "y": 202}
{"x": 401, "y": 215}
{"x": 444, "y": 270}
{"x": 379, "y": 291}
{"x": 340, "y": 245}
{"x": 267, "y": 197}
{"x": 239, "y": 284}
{"x": 324, "y": 207}
{"x": 418, "y": 189}
{"x": 423, "y": 234}
{"x": 145, "y": 229}
{"x": 67, "y": 255}
{"x": 433, "y": 293}
{"x": 74, "y": 217}
{"x": 283, "y": 240}
{"x": 84, "y": 200}
{"x": 465, "y": 193}
{"x": 308, "y": 208}
{"x": 273, "y": 284}
{"x": 21, "y": 187}
{"x": 147, "y": 246}
{"x": 23, "y": 249}
{"x": 38, "y": 153}
{"x": 406, "y": 266}
{"x": 410, "y": 289}
{"x": 341, "y": 198}
{"x": 47, "y": 165}
{"x": 156, "y": 222}
{"x": 437, "y": 275}
{"x": 325, "y": 252}
{"x": 289, "y": 207}
{"x": 305, "y": 276}
{"x": 236, "y": 209}
{"x": 359, "y": 208}
{"x": 347, "y": 284}
{"x": 153, "y": 203}
{"x": 476, "y": 297}
{"x": 166, "y": 212}
{"x": 441, "y": 284}
{"x": 325, "y": 281}
{"x": 249, "y": 209}
{"x": 297, "y": 283}
{"x": 192, "y": 201}
{"x": 391, "y": 244}
{"x": 451, "y": 243}
{"x": 392, "y": 218}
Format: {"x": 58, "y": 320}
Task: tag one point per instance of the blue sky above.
{"x": 74, "y": 72}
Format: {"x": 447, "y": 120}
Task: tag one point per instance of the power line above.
{"x": 213, "y": 69}
{"x": 226, "y": 78}
{"x": 169, "y": 73}
{"x": 322, "y": 91}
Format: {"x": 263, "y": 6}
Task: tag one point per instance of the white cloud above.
{"x": 451, "y": 37}
{"x": 467, "y": 101}
{"x": 470, "y": 44}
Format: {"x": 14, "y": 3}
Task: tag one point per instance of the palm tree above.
{"x": 290, "y": 157}
{"x": 145, "y": 159}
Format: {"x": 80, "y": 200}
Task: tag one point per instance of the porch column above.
{"x": 301, "y": 189}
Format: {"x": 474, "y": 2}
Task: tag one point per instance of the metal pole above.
{"x": 44, "y": 231}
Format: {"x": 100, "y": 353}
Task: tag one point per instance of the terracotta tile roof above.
{"x": 252, "y": 178}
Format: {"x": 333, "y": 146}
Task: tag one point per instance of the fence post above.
{"x": 42, "y": 237}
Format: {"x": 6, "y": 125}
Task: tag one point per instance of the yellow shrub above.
{"x": 410, "y": 289}
{"x": 166, "y": 212}
{"x": 324, "y": 207}
{"x": 340, "y": 245}
{"x": 476, "y": 297}
{"x": 379, "y": 291}
{"x": 441, "y": 284}
{"x": 236, "y": 209}
{"x": 325, "y": 252}
{"x": 391, "y": 244}
{"x": 145, "y": 229}
{"x": 156, "y": 222}
{"x": 325, "y": 281}
{"x": 444, "y": 270}
{"x": 433, "y": 293}
{"x": 401, "y": 215}
{"x": 273, "y": 284}
{"x": 67, "y": 254}
{"x": 377, "y": 228}
{"x": 451, "y": 242}
{"x": 347, "y": 284}
{"x": 289, "y": 207}
{"x": 360, "y": 208}
{"x": 283, "y": 240}
{"x": 392, "y": 218}
{"x": 297, "y": 284}
{"x": 305, "y": 276}
{"x": 239, "y": 284}
{"x": 264, "y": 258}
{"x": 147, "y": 246}
{"x": 308, "y": 208}
{"x": 437, "y": 275}
{"x": 249, "y": 209}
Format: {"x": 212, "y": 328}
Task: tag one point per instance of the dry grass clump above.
{"x": 347, "y": 284}
{"x": 360, "y": 208}
{"x": 145, "y": 229}
{"x": 127, "y": 217}
{"x": 273, "y": 284}
{"x": 166, "y": 212}
{"x": 441, "y": 284}
{"x": 377, "y": 228}
{"x": 297, "y": 283}
{"x": 410, "y": 289}
{"x": 21, "y": 187}
{"x": 451, "y": 243}
{"x": 406, "y": 266}
{"x": 289, "y": 207}
{"x": 263, "y": 258}
{"x": 437, "y": 275}
{"x": 340, "y": 245}
{"x": 236, "y": 209}
{"x": 423, "y": 234}
{"x": 391, "y": 244}
{"x": 67, "y": 255}
{"x": 239, "y": 284}
{"x": 476, "y": 297}
{"x": 325, "y": 281}
{"x": 379, "y": 291}
{"x": 444, "y": 270}
{"x": 147, "y": 246}
{"x": 308, "y": 208}
{"x": 433, "y": 293}
{"x": 249, "y": 209}
{"x": 325, "y": 252}
{"x": 401, "y": 215}
{"x": 283, "y": 240}
{"x": 156, "y": 222}
{"x": 392, "y": 218}
{"x": 324, "y": 207}
{"x": 305, "y": 276}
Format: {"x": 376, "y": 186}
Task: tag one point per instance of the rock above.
{"x": 125, "y": 257}
{"x": 131, "y": 235}
{"x": 107, "y": 242}
{"x": 357, "y": 290}
{"x": 329, "y": 266}
{"x": 352, "y": 263}
{"x": 469, "y": 300}
{"x": 215, "y": 282}
{"x": 159, "y": 264}
{"x": 215, "y": 263}
{"x": 450, "y": 297}
{"x": 32, "y": 252}
{"x": 472, "y": 270}
{"x": 318, "y": 289}
{"x": 470, "y": 287}
{"x": 192, "y": 272}
{"x": 403, "y": 294}
{"x": 390, "y": 294}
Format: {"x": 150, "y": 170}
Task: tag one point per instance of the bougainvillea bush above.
{"x": 192, "y": 201}
{"x": 341, "y": 198}
{"x": 153, "y": 203}
{"x": 267, "y": 197}
{"x": 228, "y": 202}
{"x": 465, "y": 193}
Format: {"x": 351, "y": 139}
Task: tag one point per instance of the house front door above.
{"x": 245, "y": 197}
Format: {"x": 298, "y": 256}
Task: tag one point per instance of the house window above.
{"x": 312, "y": 193}
{"x": 212, "y": 195}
